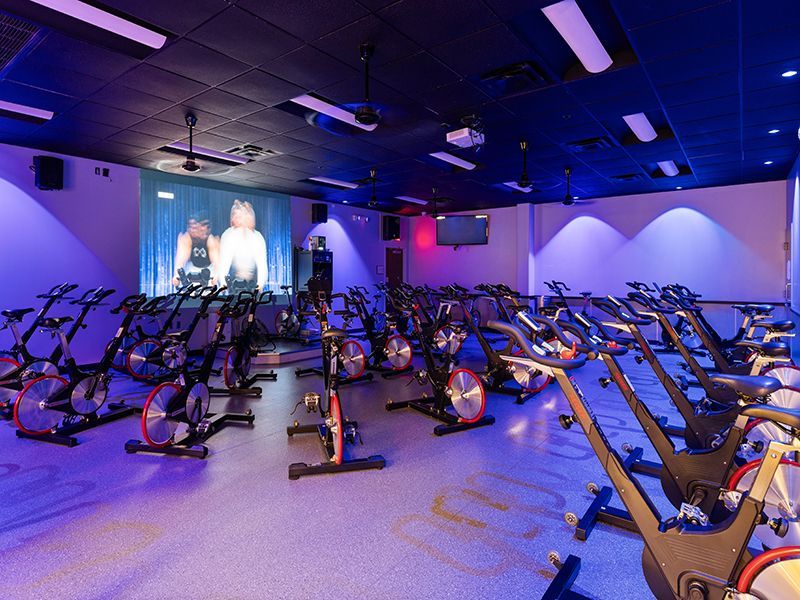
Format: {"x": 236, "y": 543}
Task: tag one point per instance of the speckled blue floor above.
{"x": 470, "y": 515}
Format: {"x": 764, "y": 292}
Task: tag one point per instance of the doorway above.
{"x": 394, "y": 267}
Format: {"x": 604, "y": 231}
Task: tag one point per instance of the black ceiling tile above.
{"x": 477, "y": 53}
{"x": 705, "y": 109}
{"x": 430, "y": 23}
{"x": 162, "y": 129}
{"x": 224, "y": 104}
{"x": 454, "y": 99}
{"x": 15, "y": 128}
{"x": 636, "y": 13}
{"x": 758, "y": 17}
{"x": 197, "y": 62}
{"x": 643, "y": 100}
{"x": 363, "y": 150}
{"x": 107, "y": 115}
{"x": 771, "y": 47}
{"x": 140, "y": 140}
{"x": 140, "y": 103}
{"x": 309, "y": 68}
{"x": 289, "y": 161}
{"x": 247, "y": 38}
{"x": 311, "y": 135}
{"x": 273, "y": 120}
{"x": 161, "y": 83}
{"x": 205, "y": 121}
{"x": 713, "y": 26}
{"x": 55, "y": 79}
{"x": 214, "y": 142}
{"x": 610, "y": 84}
{"x": 416, "y": 73}
{"x": 724, "y": 148}
{"x": 241, "y": 132}
{"x": 307, "y": 19}
{"x": 769, "y": 76}
{"x": 75, "y": 125}
{"x": 772, "y": 97}
{"x": 691, "y": 66}
{"x": 118, "y": 148}
{"x": 35, "y": 97}
{"x": 176, "y": 17}
{"x": 768, "y": 116}
{"x": 319, "y": 154}
{"x": 376, "y": 4}
{"x": 707, "y": 125}
{"x": 707, "y": 88}
{"x": 511, "y": 9}
{"x": 282, "y": 143}
{"x": 58, "y": 51}
{"x": 263, "y": 88}
{"x": 389, "y": 43}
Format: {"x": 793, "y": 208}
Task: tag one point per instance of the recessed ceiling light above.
{"x": 440, "y": 218}
{"x": 207, "y": 153}
{"x": 334, "y": 112}
{"x": 347, "y": 185}
{"x": 83, "y": 11}
{"x": 25, "y": 113}
{"x": 567, "y": 18}
{"x": 788, "y": 73}
{"x": 411, "y": 199}
{"x": 773, "y": 131}
{"x": 453, "y": 160}
{"x": 576, "y": 197}
{"x": 679, "y": 188}
{"x": 668, "y": 167}
{"x": 345, "y": 201}
{"x": 166, "y": 195}
{"x": 768, "y": 162}
{"x": 641, "y": 127}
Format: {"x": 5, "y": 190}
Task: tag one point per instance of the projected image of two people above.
{"x": 237, "y": 258}
{"x": 194, "y": 234}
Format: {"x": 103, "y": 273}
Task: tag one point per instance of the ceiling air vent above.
{"x": 251, "y": 152}
{"x": 627, "y": 177}
{"x": 15, "y": 35}
{"x": 589, "y": 144}
{"x": 517, "y": 78}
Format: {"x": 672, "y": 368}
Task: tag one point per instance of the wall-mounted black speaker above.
{"x": 391, "y": 228}
{"x": 49, "y": 172}
{"x": 319, "y": 213}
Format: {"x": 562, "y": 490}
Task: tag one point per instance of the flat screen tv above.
{"x": 462, "y": 230}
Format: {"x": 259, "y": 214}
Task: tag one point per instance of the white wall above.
{"x": 793, "y": 217}
{"x": 725, "y": 242}
{"x": 359, "y": 253}
{"x": 496, "y": 261}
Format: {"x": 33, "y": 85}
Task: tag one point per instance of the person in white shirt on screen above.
{"x": 243, "y": 250}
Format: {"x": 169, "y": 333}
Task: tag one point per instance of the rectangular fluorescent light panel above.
{"x": 481, "y": 216}
{"x": 209, "y": 153}
{"x": 348, "y": 185}
{"x": 166, "y": 195}
{"x": 569, "y": 20}
{"x": 439, "y": 218}
{"x": 453, "y": 160}
{"x": 668, "y": 168}
{"x": 513, "y": 185}
{"x": 105, "y": 20}
{"x": 20, "y": 110}
{"x": 641, "y": 127}
{"x": 333, "y": 111}
{"x": 411, "y": 199}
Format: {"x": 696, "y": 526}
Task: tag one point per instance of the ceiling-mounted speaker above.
{"x": 391, "y": 228}
{"x": 49, "y": 172}
{"x": 319, "y": 213}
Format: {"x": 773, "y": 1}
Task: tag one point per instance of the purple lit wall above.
{"x": 359, "y": 253}
{"x": 86, "y": 233}
{"x": 726, "y": 242}
{"x": 793, "y": 217}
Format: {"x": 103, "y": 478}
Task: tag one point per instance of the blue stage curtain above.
{"x": 161, "y": 220}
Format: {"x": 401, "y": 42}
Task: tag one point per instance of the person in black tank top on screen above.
{"x": 197, "y": 250}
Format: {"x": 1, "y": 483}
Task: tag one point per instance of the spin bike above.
{"x": 335, "y": 430}
{"x": 239, "y": 356}
{"x": 383, "y": 344}
{"x": 14, "y": 374}
{"x": 186, "y": 403}
{"x": 52, "y": 408}
{"x": 289, "y": 320}
{"x": 19, "y": 352}
{"x": 459, "y": 389}
{"x": 685, "y": 557}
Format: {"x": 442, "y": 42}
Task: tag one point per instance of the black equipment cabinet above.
{"x": 312, "y": 263}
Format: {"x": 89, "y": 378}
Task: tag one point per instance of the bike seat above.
{"x": 753, "y": 386}
{"x": 16, "y": 314}
{"x": 775, "y": 325}
{"x": 334, "y": 332}
{"x": 766, "y": 348}
{"x": 54, "y": 322}
{"x": 778, "y": 414}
